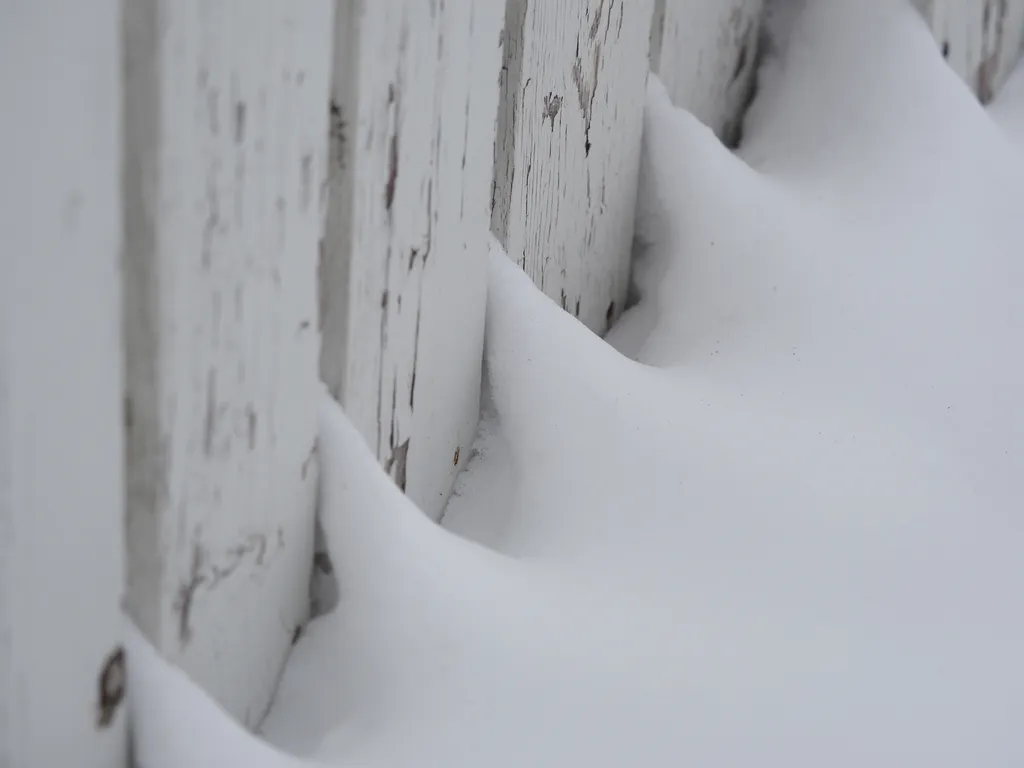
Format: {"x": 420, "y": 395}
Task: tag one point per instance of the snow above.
{"x": 175, "y": 724}
{"x": 772, "y": 521}
{"x": 1008, "y": 108}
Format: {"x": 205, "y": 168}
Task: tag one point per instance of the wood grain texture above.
{"x": 403, "y": 276}
{"x": 981, "y": 39}
{"x": 705, "y": 52}
{"x": 568, "y": 148}
{"x": 227, "y": 119}
{"x": 61, "y": 441}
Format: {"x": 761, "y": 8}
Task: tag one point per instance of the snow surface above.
{"x": 780, "y": 528}
{"x": 1008, "y": 109}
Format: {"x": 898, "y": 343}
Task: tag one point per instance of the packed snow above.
{"x": 771, "y": 520}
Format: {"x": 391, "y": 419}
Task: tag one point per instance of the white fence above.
{"x": 209, "y": 205}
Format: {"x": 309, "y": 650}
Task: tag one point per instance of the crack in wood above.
{"x": 394, "y": 403}
{"x": 389, "y": 189}
{"x": 337, "y": 134}
{"x": 395, "y": 102}
{"x": 204, "y": 574}
{"x": 251, "y": 420}
{"x": 306, "y": 181}
{"x": 586, "y": 90}
{"x": 239, "y": 122}
{"x": 310, "y": 457}
{"x": 210, "y": 419}
{"x": 187, "y": 591}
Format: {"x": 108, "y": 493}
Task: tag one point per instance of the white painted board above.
{"x": 981, "y": 39}
{"x": 227, "y": 119}
{"x": 705, "y": 52}
{"x": 568, "y": 148}
{"x": 404, "y": 273}
{"x": 61, "y": 443}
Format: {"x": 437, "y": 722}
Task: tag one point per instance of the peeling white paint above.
{"x": 567, "y": 154}
{"x": 61, "y": 444}
{"x": 224, "y": 183}
{"x": 705, "y": 52}
{"x": 228, "y": 177}
{"x": 404, "y": 273}
{"x": 981, "y": 39}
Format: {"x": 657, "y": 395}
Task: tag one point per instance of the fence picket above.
{"x": 705, "y": 52}
{"x": 61, "y": 445}
{"x": 404, "y": 274}
{"x": 226, "y": 114}
{"x": 568, "y": 149}
{"x": 981, "y": 39}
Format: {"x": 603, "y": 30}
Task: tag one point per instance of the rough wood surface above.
{"x": 404, "y": 273}
{"x": 224, "y": 183}
{"x": 705, "y": 51}
{"x": 61, "y": 442}
{"x": 567, "y": 154}
{"x": 981, "y": 39}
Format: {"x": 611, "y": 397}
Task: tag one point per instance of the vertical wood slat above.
{"x": 981, "y": 39}
{"x": 705, "y": 52}
{"x": 404, "y": 274}
{"x": 226, "y": 130}
{"x": 568, "y": 149}
{"x": 61, "y": 443}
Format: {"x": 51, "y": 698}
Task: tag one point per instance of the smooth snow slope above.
{"x": 788, "y": 535}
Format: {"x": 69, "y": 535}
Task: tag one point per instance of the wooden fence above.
{"x": 208, "y": 206}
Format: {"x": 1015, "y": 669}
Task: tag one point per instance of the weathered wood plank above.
{"x": 567, "y": 155}
{"x": 404, "y": 273}
{"x": 61, "y": 442}
{"x": 705, "y": 52}
{"x": 224, "y": 183}
{"x": 981, "y": 39}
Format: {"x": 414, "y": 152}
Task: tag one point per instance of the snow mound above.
{"x": 780, "y": 527}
